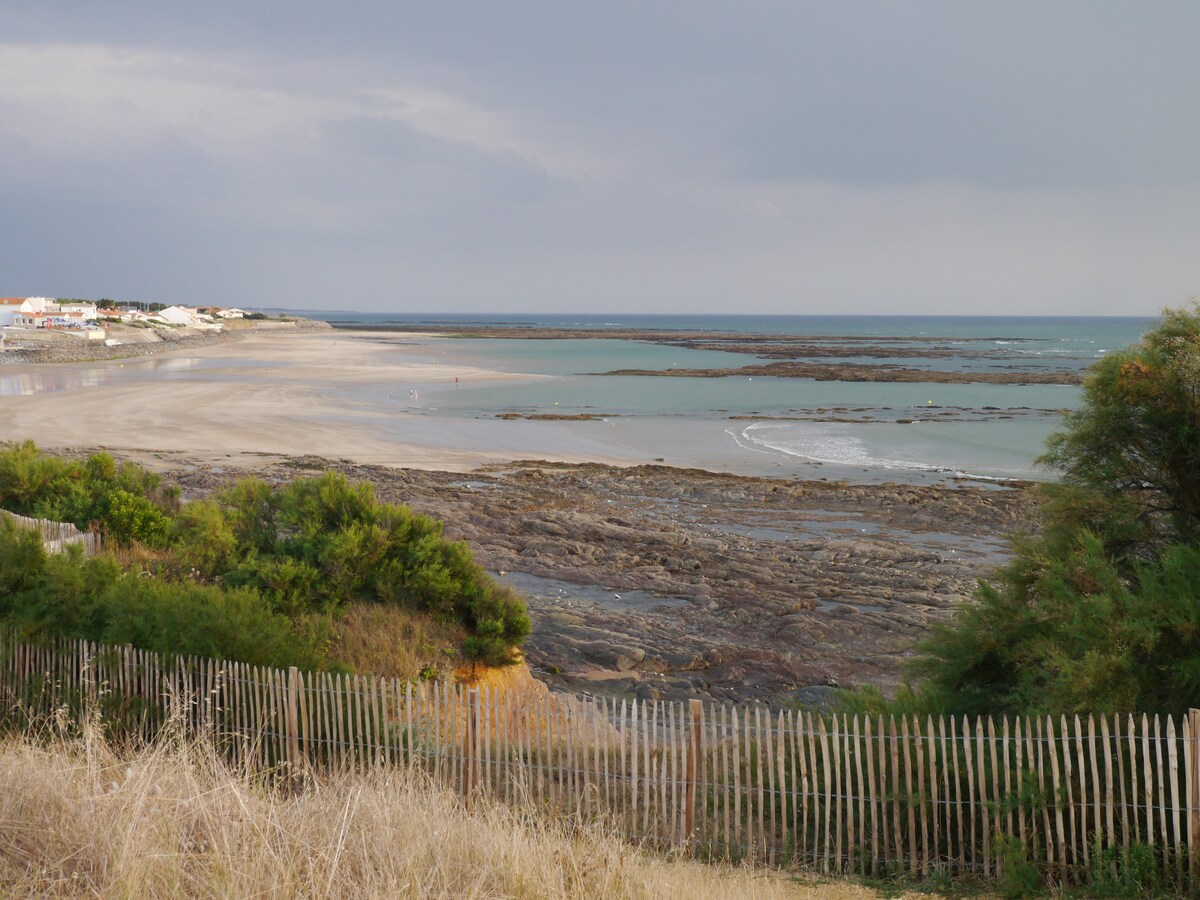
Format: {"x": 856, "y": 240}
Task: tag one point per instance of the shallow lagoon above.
{"x": 761, "y": 425}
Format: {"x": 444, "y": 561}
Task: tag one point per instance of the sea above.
{"x": 783, "y": 427}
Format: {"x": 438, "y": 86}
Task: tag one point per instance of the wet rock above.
{"x": 817, "y": 697}
{"x": 630, "y": 658}
{"x": 779, "y": 586}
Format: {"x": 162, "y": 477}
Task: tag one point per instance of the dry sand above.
{"x": 277, "y": 394}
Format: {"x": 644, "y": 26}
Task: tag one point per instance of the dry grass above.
{"x": 393, "y": 642}
{"x": 79, "y": 819}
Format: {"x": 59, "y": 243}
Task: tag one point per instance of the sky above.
{"x": 797, "y": 157}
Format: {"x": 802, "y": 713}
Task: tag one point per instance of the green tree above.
{"x": 1132, "y": 451}
{"x": 1100, "y": 611}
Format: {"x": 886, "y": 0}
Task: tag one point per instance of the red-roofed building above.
{"x": 10, "y": 308}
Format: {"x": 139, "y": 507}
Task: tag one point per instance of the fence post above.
{"x": 693, "y": 772}
{"x": 1193, "y": 791}
{"x": 472, "y": 748}
{"x": 292, "y": 725}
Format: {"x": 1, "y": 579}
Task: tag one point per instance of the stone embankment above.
{"x": 662, "y": 582}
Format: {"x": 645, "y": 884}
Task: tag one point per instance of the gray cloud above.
{"x": 918, "y": 157}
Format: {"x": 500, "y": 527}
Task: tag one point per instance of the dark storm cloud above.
{"x": 918, "y": 157}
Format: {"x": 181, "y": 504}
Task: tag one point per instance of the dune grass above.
{"x": 395, "y": 642}
{"x": 79, "y": 817}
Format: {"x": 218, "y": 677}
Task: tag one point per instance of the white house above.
{"x": 81, "y": 306}
{"x": 133, "y": 315}
{"x": 232, "y": 313}
{"x": 13, "y": 308}
{"x": 39, "y": 304}
{"x": 178, "y": 315}
{"x": 10, "y": 308}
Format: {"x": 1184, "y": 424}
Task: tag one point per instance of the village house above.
{"x": 10, "y": 308}
{"x": 39, "y": 304}
{"x": 179, "y": 315}
{"x": 77, "y": 315}
{"x": 80, "y": 306}
{"x": 35, "y": 312}
{"x": 231, "y": 313}
{"x": 53, "y": 318}
{"x": 134, "y": 315}
{"x": 13, "y": 307}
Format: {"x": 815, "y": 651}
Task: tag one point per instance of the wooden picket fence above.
{"x": 56, "y": 536}
{"x": 840, "y": 794}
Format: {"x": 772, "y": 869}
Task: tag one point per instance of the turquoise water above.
{"x": 768, "y": 425}
{"x": 571, "y": 357}
{"x": 754, "y": 425}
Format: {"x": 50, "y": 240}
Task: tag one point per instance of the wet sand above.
{"x": 279, "y": 394}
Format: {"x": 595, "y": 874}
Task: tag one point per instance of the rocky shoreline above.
{"x": 863, "y": 372}
{"x": 793, "y": 352}
{"x": 661, "y": 582}
{"x": 682, "y": 338}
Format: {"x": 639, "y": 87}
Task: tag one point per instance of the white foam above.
{"x": 827, "y": 444}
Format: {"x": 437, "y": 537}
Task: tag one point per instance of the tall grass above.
{"x": 395, "y": 642}
{"x": 79, "y": 817}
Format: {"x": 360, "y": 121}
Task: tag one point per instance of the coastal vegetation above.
{"x": 259, "y": 573}
{"x": 1098, "y": 612}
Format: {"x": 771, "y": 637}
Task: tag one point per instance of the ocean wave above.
{"x": 822, "y": 445}
{"x": 836, "y": 447}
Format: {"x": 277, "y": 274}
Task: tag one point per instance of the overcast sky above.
{"x": 687, "y": 157}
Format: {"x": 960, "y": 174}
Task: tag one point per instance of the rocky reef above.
{"x": 662, "y": 582}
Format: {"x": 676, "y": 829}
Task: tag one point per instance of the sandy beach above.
{"x": 268, "y": 394}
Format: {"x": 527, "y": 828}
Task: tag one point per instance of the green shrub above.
{"x": 185, "y": 618}
{"x": 1124, "y": 872}
{"x": 249, "y": 510}
{"x": 306, "y": 550}
{"x": 95, "y": 491}
{"x": 317, "y": 544}
{"x": 1020, "y": 878}
{"x": 67, "y": 595}
{"x": 133, "y": 518}
{"x": 203, "y": 539}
